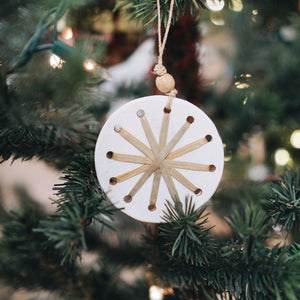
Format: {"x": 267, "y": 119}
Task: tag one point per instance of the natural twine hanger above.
{"x": 165, "y": 82}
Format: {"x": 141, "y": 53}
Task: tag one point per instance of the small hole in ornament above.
{"x": 167, "y": 110}
{"x": 117, "y": 128}
{"x": 113, "y": 180}
{"x": 152, "y": 207}
{"x": 109, "y": 154}
{"x": 198, "y": 192}
{"x": 212, "y": 168}
{"x": 127, "y": 198}
{"x": 140, "y": 113}
{"x": 190, "y": 119}
{"x": 208, "y": 137}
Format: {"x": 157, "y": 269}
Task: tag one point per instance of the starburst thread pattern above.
{"x": 158, "y": 158}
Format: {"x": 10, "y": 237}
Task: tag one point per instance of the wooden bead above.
{"x": 165, "y": 83}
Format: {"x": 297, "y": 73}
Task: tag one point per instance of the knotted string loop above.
{"x": 160, "y": 70}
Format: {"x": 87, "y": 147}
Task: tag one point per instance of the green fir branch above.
{"x": 284, "y": 202}
{"x": 185, "y": 235}
{"x": 25, "y": 260}
{"x": 252, "y": 229}
{"x": 145, "y": 10}
{"x": 81, "y": 201}
{"x": 56, "y": 140}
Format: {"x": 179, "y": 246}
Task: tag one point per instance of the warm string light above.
{"x": 55, "y": 61}
{"x": 295, "y": 139}
{"x": 227, "y": 154}
{"x": 217, "y": 19}
{"x": 89, "y": 64}
{"x": 236, "y": 5}
{"x": 242, "y": 83}
{"x": 156, "y": 293}
{"x": 67, "y": 33}
{"x": 215, "y": 5}
{"x": 282, "y": 157}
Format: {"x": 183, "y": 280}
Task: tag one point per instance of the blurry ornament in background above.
{"x": 236, "y": 5}
{"x": 104, "y": 22}
{"x": 254, "y": 12}
{"x": 126, "y": 73}
{"x": 137, "y": 150}
{"x": 288, "y": 33}
{"x": 295, "y": 139}
{"x": 55, "y": 61}
{"x": 282, "y": 157}
{"x": 215, "y": 5}
{"x": 156, "y": 293}
{"x": 216, "y": 55}
{"x": 258, "y": 172}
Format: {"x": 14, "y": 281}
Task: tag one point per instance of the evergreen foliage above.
{"x": 284, "y": 202}
{"x": 145, "y": 10}
{"x": 81, "y": 202}
{"x": 185, "y": 236}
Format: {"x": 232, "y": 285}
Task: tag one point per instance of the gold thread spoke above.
{"x": 142, "y": 180}
{"x": 190, "y": 166}
{"x": 129, "y": 174}
{"x": 135, "y": 142}
{"x": 129, "y": 158}
{"x": 169, "y": 181}
{"x": 183, "y": 180}
{"x": 166, "y": 150}
{"x": 148, "y": 131}
{"x": 164, "y": 130}
{"x": 155, "y": 188}
{"x": 189, "y": 147}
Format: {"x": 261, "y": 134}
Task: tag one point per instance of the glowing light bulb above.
{"x": 217, "y": 20}
{"x": 61, "y": 24}
{"x": 254, "y": 12}
{"x": 236, "y": 5}
{"x": 215, "y": 5}
{"x": 156, "y": 293}
{"x": 241, "y": 85}
{"x": 246, "y": 75}
{"x": 89, "y": 64}
{"x": 67, "y": 34}
{"x": 56, "y": 62}
{"x": 295, "y": 139}
{"x": 282, "y": 157}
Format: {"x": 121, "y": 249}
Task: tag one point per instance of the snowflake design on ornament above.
{"x": 159, "y": 159}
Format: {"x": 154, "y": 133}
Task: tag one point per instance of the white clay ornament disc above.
{"x": 146, "y": 154}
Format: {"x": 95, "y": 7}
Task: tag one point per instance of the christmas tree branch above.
{"x": 243, "y": 267}
{"x": 81, "y": 202}
{"x": 145, "y": 11}
{"x": 284, "y": 202}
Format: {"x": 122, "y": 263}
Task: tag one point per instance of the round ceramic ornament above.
{"x": 148, "y": 152}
